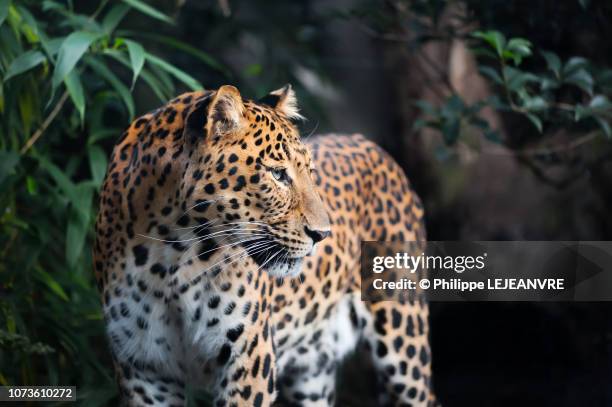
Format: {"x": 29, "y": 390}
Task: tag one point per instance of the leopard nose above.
{"x": 316, "y": 235}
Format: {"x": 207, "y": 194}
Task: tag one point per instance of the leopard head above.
{"x": 253, "y": 178}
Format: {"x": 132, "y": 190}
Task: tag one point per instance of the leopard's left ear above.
{"x": 284, "y": 101}
{"x": 226, "y": 113}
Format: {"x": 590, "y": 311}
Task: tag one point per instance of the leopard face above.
{"x": 253, "y": 179}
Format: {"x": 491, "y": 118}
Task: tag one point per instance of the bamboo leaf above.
{"x": 4, "y": 8}
{"x": 75, "y": 90}
{"x": 148, "y": 10}
{"x": 52, "y": 284}
{"x": 137, "y": 58}
{"x": 8, "y": 161}
{"x": 71, "y": 51}
{"x": 97, "y": 163}
{"x": 181, "y": 46}
{"x": 102, "y": 70}
{"x": 174, "y": 71}
{"x": 149, "y": 78}
{"x": 535, "y": 120}
{"x": 23, "y": 63}
{"x": 114, "y": 17}
{"x": 553, "y": 62}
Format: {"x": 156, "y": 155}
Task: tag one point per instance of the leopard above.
{"x": 227, "y": 251}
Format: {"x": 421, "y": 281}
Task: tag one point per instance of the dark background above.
{"x": 360, "y": 66}
{"x": 497, "y": 354}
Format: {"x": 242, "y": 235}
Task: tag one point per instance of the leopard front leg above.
{"x": 141, "y": 386}
{"x": 247, "y": 375}
{"x": 397, "y": 336}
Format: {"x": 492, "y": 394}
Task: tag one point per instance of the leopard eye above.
{"x": 280, "y": 174}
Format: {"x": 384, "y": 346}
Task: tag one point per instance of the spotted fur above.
{"x": 212, "y": 266}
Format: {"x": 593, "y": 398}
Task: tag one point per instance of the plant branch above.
{"x": 39, "y": 132}
{"x": 530, "y": 152}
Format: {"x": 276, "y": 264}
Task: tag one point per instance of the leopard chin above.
{"x": 275, "y": 260}
{"x": 287, "y": 268}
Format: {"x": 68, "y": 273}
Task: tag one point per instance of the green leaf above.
{"x": 8, "y": 162}
{"x": 581, "y": 79}
{"x": 584, "y": 3}
{"x": 148, "y": 10}
{"x": 23, "y": 63}
{"x": 581, "y": 112}
{"x": 4, "y": 9}
{"x": 97, "y": 163}
{"x": 517, "y": 49}
{"x": 62, "y": 181}
{"x": 71, "y": 51}
{"x": 181, "y": 46}
{"x": 174, "y": 71}
{"x": 78, "y": 222}
{"x": 102, "y": 70}
{"x": 253, "y": 70}
{"x": 75, "y": 237}
{"x": 31, "y": 185}
{"x": 516, "y": 79}
{"x": 483, "y": 52}
{"x": 520, "y": 46}
{"x": 451, "y": 129}
{"x": 52, "y": 284}
{"x": 113, "y": 17}
{"x": 600, "y": 103}
{"x": 454, "y": 105}
{"x": 137, "y": 58}
{"x": 495, "y": 39}
{"x": 491, "y": 74}
{"x": 149, "y": 78}
{"x": 535, "y": 120}
{"x": 425, "y": 107}
{"x": 574, "y": 64}
{"x": 552, "y": 62}
{"x": 548, "y": 83}
{"x": 536, "y": 103}
{"x": 52, "y": 46}
{"x": 75, "y": 90}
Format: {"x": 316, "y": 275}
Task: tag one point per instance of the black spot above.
{"x": 142, "y": 324}
{"x": 381, "y": 349}
{"x": 396, "y": 318}
{"x": 240, "y": 183}
{"x": 266, "y": 366}
{"x": 224, "y": 354}
{"x": 258, "y": 400}
{"x": 416, "y": 373}
{"x": 255, "y": 368}
{"x": 209, "y": 189}
{"x": 234, "y": 333}
{"x": 141, "y": 253}
{"x": 410, "y": 326}
{"x": 424, "y": 356}
{"x": 214, "y": 302}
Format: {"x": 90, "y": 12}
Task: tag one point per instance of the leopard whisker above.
{"x": 243, "y": 254}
